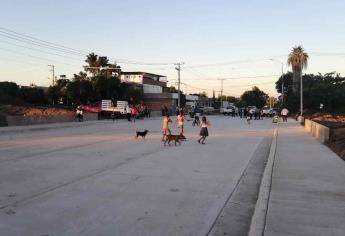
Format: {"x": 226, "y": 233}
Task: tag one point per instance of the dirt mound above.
{"x": 33, "y": 111}
{"x": 337, "y": 135}
{"x": 329, "y": 120}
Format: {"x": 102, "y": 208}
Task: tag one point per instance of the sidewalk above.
{"x": 308, "y": 187}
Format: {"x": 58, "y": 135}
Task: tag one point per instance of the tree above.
{"x": 106, "y": 87}
{"x": 272, "y": 102}
{"x": 133, "y": 95}
{"x": 298, "y": 59}
{"x": 8, "y": 92}
{"x": 80, "y": 91}
{"x": 172, "y": 89}
{"x": 99, "y": 65}
{"x": 32, "y": 95}
{"x": 92, "y": 64}
{"x": 327, "y": 89}
{"x": 80, "y": 76}
{"x": 230, "y": 99}
{"x": 254, "y": 97}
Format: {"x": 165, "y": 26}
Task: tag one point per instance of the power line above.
{"x": 29, "y": 55}
{"x": 35, "y": 49}
{"x": 229, "y": 63}
{"x": 57, "y": 47}
{"x": 247, "y": 85}
{"x": 234, "y": 78}
{"x": 32, "y": 42}
{"x": 2, "y": 29}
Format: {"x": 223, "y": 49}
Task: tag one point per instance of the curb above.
{"x": 258, "y": 222}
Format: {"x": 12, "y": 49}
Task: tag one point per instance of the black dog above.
{"x": 142, "y": 134}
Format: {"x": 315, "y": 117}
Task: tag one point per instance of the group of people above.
{"x": 254, "y": 113}
{"x": 180, "y": 120}
{"x": 136, "y": 112}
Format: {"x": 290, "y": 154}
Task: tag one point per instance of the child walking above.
{"x": 166, "y": 130}
{"x": 180, "y": 119}
{"x": 204, "y": 131}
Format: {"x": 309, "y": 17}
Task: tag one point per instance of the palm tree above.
{"x": 99, "y": 65}
{"x": 80, "y": 76}
{"x": 298, "y": 59}
{"x": 93, "y": 64}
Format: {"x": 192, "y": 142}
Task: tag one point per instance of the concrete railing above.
{"x": 35, "y": 120}
{"x": 320, "y": 132}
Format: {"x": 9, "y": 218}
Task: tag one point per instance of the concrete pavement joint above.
{"x": 28, "y": 198}
{"x": 258, "y": 223}
{"x": 56, "y": 150}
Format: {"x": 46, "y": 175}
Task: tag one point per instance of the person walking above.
{"x": 180, "y": 119}
{"x": 79, "y": 115}
{"x": 203, "y": 131}
{"x": 196, "y": 120}
{"x": 165, "y": 129}
{"x": 284, "y": 114}
{"x": 134, "y": 113}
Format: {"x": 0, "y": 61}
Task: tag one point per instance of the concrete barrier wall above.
{"x": 320, "y": 132}
{"x": 35, "y": 120}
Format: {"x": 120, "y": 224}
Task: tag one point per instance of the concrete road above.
{"x": 99, "y": 180}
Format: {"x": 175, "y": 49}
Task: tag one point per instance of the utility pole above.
{"x": 221, "y": 92}
{"x": 178, "y": 68}
{"x": 53, "y": 70}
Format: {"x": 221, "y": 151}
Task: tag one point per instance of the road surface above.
{"x": 99, "y": 180}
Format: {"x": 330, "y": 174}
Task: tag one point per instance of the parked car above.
{"x": 228, "y": 110}
{"x": 266, "y": 111}
{"x": 206, "y": 110}
{"x": 273, "y": 112}
{"x": 251, "y": 109}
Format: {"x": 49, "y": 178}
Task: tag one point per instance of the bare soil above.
{"x": 33, "y": 111}
{"x": 337, "y": 136}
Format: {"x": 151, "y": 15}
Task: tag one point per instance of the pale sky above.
{"x": 214, "y": 38}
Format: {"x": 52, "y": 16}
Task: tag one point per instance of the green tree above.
{"x": 254, "y": 97}
{"x": 32, "y": 95}
{"x": 298, "y": 59}
{"x": 133, "y": 95}
{"x": 172, "y": 89}
{"x": 106, "y": 87}
{"x": 327, "y": 89}
{"x": 92, "y": 64}
{"x": 8, "y": 92}
{"x": 80, "y": 91}
{"x": 272, "y": 102}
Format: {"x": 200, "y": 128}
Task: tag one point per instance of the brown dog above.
{"x": 175, "y": 138}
